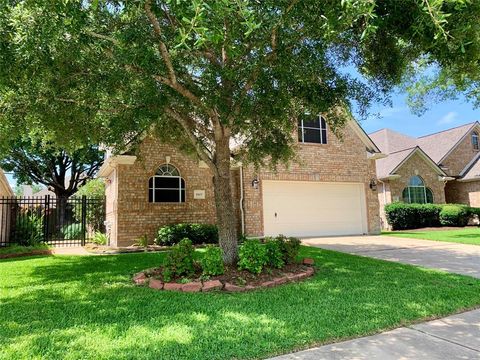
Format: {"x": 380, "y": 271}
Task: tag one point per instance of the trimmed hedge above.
{"x": 198, "y": 233}
{"x": 403, "y": 216}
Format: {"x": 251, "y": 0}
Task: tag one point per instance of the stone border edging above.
{"x": 141, "y": 278}
{"x": 31, "y": 253}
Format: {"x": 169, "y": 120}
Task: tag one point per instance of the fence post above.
{"x": 46, "y": 217}
{"x": 84, "y": 219}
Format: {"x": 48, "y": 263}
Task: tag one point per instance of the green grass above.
{"x": 60, "y": 307}
{"x": 469, "y": 235}
{"x": 17, "y": 249}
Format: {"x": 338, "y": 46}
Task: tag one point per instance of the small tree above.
{"x": 202, "y": 74}
{"x": 95, "y": 212}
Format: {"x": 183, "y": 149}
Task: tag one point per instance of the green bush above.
{"x": 212, "y": 261}
{"x": 29, "y": 230}
{"x": 275, "y": 255}
{"x": 402, "y": 216}
{"x": 455, "y": 215}
{"x": 179, "y": 261}
{"x": 290, "y": 248}
{"x": 72, "y": 231}
{"x": 197, "y": 233}
{"x": 100, "y": 238}
{"x": 252, "y": 256}
{"x": 95, "y": 212}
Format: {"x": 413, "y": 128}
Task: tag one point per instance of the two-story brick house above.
{"x": 443, "y": 167}
{"x": 329, "y": 190}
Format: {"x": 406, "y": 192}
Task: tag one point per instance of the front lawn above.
{"x": 61, "y": 307}
{"x": 468, "y": 235}
{"x": 18, "y": 249}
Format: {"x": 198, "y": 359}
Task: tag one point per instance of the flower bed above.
{"x": 233, "y": 280}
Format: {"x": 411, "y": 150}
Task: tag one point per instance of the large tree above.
{"x": 60, "y": 170}
{"x": 205, "y": 74}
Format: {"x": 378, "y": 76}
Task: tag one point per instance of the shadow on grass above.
{"x": 86, "y": 307}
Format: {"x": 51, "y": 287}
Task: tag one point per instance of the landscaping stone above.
{"x": 192, "y": 287}
{"x": 308, "y": 261}
{"x": 140, "y": 278}
{"x": 310, "y": 271}
{"x": 233, "y": 288}
{"x": 268, "y": 284}
{"x": 212, "y": 285}
{"x": 250, "y": 287}
{"x": 173, "y": 286}
{"x": 280, "y": 281}
{"x": 156, "y": 284}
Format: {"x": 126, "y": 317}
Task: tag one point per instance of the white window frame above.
{"x": 180, "y": 179}
{"x": 475, "y": 143}
{"x": 320, "y": 129}
{"x": 418, "y": 186}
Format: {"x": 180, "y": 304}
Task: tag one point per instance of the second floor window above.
{"x": 475, "y": 140}
{"x": 312, "y": 129}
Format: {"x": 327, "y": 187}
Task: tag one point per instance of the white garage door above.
{"x": 313, "y": 209}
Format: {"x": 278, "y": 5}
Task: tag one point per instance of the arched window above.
{"x": 166, "y": 186}
{"x": 416, "y": 192}
{"x": 475, "y": 140}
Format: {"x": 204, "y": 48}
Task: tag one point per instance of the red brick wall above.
{"x": 460, "y": 157}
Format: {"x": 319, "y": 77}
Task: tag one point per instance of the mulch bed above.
{"x": 232, "y": 280}
{"x": 31, "y": 253}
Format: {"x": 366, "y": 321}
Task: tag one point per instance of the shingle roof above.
{"x": 398, "y": 146}
{"x": 386, "y": 165}
{"x": 472, "y": 171}
{"x": 439, "y": 144}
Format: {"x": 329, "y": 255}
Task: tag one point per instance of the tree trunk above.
{"x": 226, "y": 219}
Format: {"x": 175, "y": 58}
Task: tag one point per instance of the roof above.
{"x": 399, "y": 146}
{"x": 440, "y": 144}
{"x": 472, "y": 170}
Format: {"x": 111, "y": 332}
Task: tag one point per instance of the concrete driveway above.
{"x": 451, "y": 257}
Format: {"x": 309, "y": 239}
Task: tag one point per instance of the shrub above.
{"x": 402, "y": 216}
{"x": 29, "y": 230}
{"x": 72, "y": 231}
{"x": 197, "y": 233}
{"x": 212, "y": 261}
{"x": 142, "y": 241}
{"x": 95, "y": 212}
{"x": 100, "y": 238}
{"x": 275, "y": 255}
{"x": 179, "y": 261}
{"x": 455, "y": 215}
{"x": 290, "y": 248}
{"x": 252, "y": 256}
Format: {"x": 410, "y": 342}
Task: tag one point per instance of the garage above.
{"x": 306, "y": 209}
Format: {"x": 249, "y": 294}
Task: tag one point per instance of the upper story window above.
{"x": 166, "y": 186}
{"x": 475, "y": 140}
{"x": 416, "y": 192}
{"x": 312, "y": 129}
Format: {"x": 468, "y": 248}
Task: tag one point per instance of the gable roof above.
{"x": 472, "y": 170}
{"x": 390, "y": 141}
{"x": 367, "y": 140}
{"x": 388, "y": 166}
{"x": 441, "y": 144}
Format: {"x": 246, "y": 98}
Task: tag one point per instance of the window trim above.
{"x": 423, "y": 186}
{"x": 320, "y": 129}
{"x": 475, "y": 143}
{"x": 182, "y": 199}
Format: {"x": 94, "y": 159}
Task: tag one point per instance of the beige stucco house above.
{"x": 329, "y": 190}
{"x": 5, "y": 190}
{"x": 443, "y": 167}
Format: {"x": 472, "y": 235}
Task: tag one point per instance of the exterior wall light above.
{"x": 255, "y": 183}
{"x": 373, "y": 185}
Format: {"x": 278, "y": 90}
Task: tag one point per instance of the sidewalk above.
{"x": 453, "y": 337}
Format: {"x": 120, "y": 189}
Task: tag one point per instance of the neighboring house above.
{"x": 443, "y": 167}
{"x": 5, "y": 190}
{"x": 328, "y": 191}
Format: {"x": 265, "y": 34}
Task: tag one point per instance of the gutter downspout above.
{"x": 382, "y": 211}
{"x": 242, "y": 212}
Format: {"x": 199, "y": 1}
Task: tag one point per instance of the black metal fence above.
{"x": 55, "y": 220}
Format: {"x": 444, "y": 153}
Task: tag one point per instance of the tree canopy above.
{"x": 203, "y": 73}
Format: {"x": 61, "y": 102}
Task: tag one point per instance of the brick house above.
{"x": 443, "y": 167}
{"x": 328, "y": 190}
{"x": 5, "y": 190}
